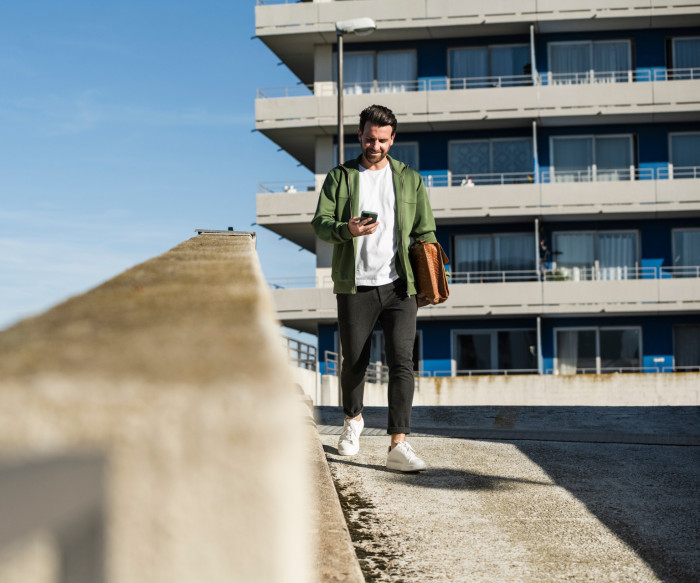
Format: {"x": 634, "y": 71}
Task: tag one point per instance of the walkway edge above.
{"x": 336, "y": 560}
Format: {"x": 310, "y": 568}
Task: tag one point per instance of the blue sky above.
{"x": 123, "y": 127}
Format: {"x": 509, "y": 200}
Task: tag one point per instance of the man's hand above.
{"x": 359, "y": 227}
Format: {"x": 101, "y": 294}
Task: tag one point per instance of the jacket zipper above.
{"x": 354, "y": 247}
{"x": 400, "y": 233}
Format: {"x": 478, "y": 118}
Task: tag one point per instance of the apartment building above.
{"x": 559, "y": 141}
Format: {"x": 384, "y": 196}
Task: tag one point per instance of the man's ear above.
{"x": 359, "y": 135}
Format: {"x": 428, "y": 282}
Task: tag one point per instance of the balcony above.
{"x": 292, "y": 117}
{"x": 478, "y": 294}
{"x": 287, "y": 208}
{"x": 291, "y": 30}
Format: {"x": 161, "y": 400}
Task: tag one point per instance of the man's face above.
{"x": 375, "y": 142}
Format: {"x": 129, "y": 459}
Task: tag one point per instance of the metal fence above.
{"x": 491, "y": 82}
{"x": 448, "y": 179}
{"x": 301, "y": 354}
{"x": 558, "y": 273}
{"x": 376, "y": 371}
{"x": 584, "y": 273}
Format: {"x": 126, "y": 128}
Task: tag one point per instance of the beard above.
{"x": 374, "y": 157}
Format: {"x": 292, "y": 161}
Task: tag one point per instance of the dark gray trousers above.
{"x": 357, "y": 316}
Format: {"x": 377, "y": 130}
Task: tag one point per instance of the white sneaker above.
{"x": 349, "y": 442}
{"x": 404, "y": 459}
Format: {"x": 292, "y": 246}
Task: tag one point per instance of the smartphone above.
{"x": 369, "y": 215}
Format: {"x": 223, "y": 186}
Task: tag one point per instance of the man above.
{"x": 372, "y": 276}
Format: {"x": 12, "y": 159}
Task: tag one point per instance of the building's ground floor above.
{"x": 549, "y": 345}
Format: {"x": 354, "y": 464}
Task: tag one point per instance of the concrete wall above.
{"x": 173, "y": 374}
{"x": 633, "y": 296}
{"x": 557, "y": 104}
{"x": 319, "y": 16}
{"x": 610, "y": 390}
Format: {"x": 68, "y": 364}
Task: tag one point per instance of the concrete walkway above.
{"x": 526, "y": 494}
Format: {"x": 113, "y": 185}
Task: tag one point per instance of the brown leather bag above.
{"x": 428, "y": 262}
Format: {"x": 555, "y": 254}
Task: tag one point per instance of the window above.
{"x": 590, "y": 62}
{"x": 497, "y": 258}
{"x": 597, "y": 350}
{"x": 490, "y": 350}
{"x": 492, "y": 66}
{"x": 498, "y": 161}
{"x": 686, "y": 252}
{"x": 685, "y": 58}
{"x": 685, "y": 155}
{"x": 377, "y": 72}
{"x": 591, "y": 158}
{"x": 405, "y": 152}
{"x": 597, "y": 254}
{"x": 686, "y": 346}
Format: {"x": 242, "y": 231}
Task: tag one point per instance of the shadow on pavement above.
{"x": 646, "y": 495}
{"x": 438, "y": 478}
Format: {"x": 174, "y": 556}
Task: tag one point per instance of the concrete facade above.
{"x": 613, "y": 390}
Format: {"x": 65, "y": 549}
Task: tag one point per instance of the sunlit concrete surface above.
{"x": 524, "y": 509}
{"x": 172, "y": 373}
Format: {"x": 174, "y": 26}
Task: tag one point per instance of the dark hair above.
{"x": 379, "y": 116}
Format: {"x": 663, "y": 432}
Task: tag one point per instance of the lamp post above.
{"x": 360, "y": 27}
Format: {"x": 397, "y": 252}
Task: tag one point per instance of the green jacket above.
{"x": 338, "y": 203}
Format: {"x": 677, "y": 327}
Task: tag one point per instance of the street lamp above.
{"x": 360, "y": 27}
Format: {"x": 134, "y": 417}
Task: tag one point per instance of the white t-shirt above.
{"x": 375, "y": 261}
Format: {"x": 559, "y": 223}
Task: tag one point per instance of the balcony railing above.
{"x": 445, "y": 178}
{"x": 557, "y": 273}
{"x": 467, "y": 180}
{"x": 562, "y": 273}
{"x": 290, "y": 186}
{"x": 300, "y": 353}
{"x": 299, "y": 282}
{"x": 491, "y": 82}
{"x": 678, "y": 172}
{"x": 599, "y": 175}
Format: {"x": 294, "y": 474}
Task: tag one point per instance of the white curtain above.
{"x": 574, "y": 250}
{"x": 613, "y": 158}
{"x": 611, "y": 58}
{"x": 473, "y": 253}
{"x": 468, "y": 64}
{"x": 617, "y": 254}
{"x": 686, "y": 246}
{"x": 514, "y": 252}
{"x": 572, "y": 159}
{"x": 569, "y": 61}
{"x": 358, "y": 72}
{"x": 567, "y": 351}
{"x": 396, "y": 71}
{"x": 685, "y": 153}
{"x": 686, "y": 54}
{"x": 509, "y": 61}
